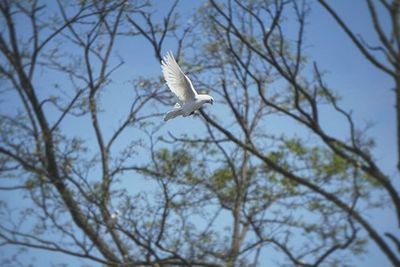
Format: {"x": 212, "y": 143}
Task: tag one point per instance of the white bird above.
{"x": 188, "y": 99}
{"x": 113, "y": 218}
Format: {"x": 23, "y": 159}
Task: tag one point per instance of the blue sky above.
{"x": 365, "y": 90}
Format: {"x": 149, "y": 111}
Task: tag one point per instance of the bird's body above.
{"x": 112, "y": 220}
{"x": 188, "y": 99}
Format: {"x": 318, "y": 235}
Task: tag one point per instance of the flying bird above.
{"x": 113, "y": 218}
{"x": 188, "y": 99}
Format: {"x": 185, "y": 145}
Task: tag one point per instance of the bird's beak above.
{"x": 212, "y": 102}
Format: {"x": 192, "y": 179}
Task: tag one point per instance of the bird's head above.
{"x": 204, "y": 98}
{"x": 115, "y": 214}
{"x": 210, "y": 100}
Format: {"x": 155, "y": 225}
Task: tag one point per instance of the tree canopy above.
{"x": 89, "y": 169}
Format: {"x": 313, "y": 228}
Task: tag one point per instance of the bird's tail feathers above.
{"x": 173, "y": 114}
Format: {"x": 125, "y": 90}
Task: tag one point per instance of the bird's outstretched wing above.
{"x": 176, "y": 80}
